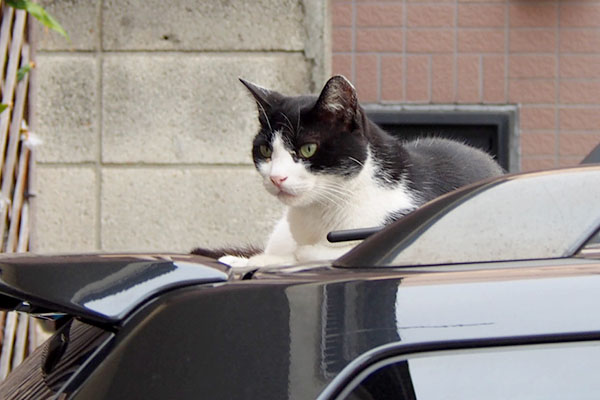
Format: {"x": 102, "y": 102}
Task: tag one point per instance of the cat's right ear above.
{"x": 338, "y": 99}
{"x": 263, "y": 97}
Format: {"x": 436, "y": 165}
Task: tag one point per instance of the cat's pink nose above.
{"x": 278, "y": 180}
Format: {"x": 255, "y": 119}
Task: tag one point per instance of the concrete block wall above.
{"x": 543, "y": 55}
{"x": 146, "y": 130}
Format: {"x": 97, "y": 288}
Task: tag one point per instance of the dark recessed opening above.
{"x": 489, "y": 131}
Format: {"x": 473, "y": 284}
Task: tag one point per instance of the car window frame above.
{"x": 362, "y": 366}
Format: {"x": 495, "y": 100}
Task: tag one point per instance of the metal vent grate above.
{"x": 489, "y": 130}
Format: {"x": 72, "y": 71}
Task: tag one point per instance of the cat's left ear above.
{"x": 264, "y": 97}
{"x": 338, "y": 99}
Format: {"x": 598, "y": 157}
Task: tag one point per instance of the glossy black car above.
{"x": 491, "y": 291}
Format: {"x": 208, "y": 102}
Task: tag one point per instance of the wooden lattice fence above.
{"x": 18, "y": 332}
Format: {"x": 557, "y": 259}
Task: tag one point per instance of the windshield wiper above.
{"x": 351, "y": 234}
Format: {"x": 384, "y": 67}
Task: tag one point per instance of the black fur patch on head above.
{"x": 332, "y": 121}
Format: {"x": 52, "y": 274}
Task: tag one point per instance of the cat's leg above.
{"x": 234, "y": 261}
{"x": 278, "y": 251}
{"x": 280, "y": 241}
{"x": 259, "y": 260}
{"x": 263, "y": 260}
{"x": 321, "y": 252}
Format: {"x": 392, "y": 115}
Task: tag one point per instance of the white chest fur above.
{"x": 362, "y": 203}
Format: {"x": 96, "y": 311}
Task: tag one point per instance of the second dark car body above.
{"x": 180, "y": 326}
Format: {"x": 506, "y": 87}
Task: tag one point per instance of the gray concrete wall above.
{"x": 146, "y": 129}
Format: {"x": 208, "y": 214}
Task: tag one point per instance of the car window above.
{"x": 546, "y": 215}
{"x": 592, "y": 247}
{"x": 564, "y": 371}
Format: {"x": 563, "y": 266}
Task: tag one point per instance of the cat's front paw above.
{"x": 319, "y": 252}
{"x": 234, "y": 261}
{"x": 263, "y": 260}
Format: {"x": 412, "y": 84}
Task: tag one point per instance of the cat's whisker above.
{"x": 298, "y": 126}
{"x": 262, "y": 109}
{"x": 339, "y": 198}
{"x": 356, "y": 161}
{"x": 327, "y": 200}
{"x": 338, "y": 188}
{"x": 322, "y": 191}
{"x": 335, "y": 187}
{"x": 289, "y": 123}
{"x": 331, "y": 214}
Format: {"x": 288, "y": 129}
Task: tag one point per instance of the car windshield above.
{"x": 532, "y": 216}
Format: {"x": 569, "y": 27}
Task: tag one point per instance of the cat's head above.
{"x": 308, "y": 146}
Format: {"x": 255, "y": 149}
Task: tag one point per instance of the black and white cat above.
{"x": 334, "y": 169}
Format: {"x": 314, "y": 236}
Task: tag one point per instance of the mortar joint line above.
{"x": 557, "y": 88}
{"x": 353, "y": 56}
{"x": 378, "y": 77}
{"x": 455, "y": 56}
{"x": 481, "y": 79}
{"x": 430, "y": 81}
{"x": 404, "y": 50}
{"x": 506, "y": 47}
{"x": 100, "y": 125}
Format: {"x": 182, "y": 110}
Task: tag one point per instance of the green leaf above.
{"x": 23, "y": 71}
{"x": 39, "y": 13}
{"x": 20, "y": 4}
{"x": 3, "y": 107}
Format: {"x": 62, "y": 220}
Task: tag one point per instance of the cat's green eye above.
{"x": 308, "y": 150}
{"x": 265, "y": 151}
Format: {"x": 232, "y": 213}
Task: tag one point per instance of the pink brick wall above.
{"x": 542, "y": 55}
